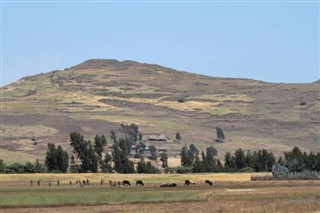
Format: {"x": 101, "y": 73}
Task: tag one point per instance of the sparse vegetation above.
{"x": 252, "y": 114}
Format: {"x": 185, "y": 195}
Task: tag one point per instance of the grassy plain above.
{"x": 230, "y": 193}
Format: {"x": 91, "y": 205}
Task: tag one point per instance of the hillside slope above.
{"x": 95, "y": 96}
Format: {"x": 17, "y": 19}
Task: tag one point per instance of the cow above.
{"x": 126, "y": 182}
{"x": 209, "y": 182}
{"x": 173, "y": 185}
{"x": 168, "y": 185}
{"x": 187, "y": 183}
{"x": 139, "y": 182}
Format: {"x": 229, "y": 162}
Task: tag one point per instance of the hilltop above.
{"x": 95, "y": 96}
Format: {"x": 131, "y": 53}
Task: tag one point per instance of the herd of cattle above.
{"x": 123, "y": 183}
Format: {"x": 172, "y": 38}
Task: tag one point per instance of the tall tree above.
{"x": 220, "y": 134}
{"x": 194, "y": 150}
{"x": 178, "y": 136}
{"x": 240, "y": 159}
{"x": 51, "y": 160}
{"x": 113, "y": 136}
{"x": 62, "y": 159}
{"x": 120, "y": 157}
{"x": 153, "y": 152}
{"x": 56, "y": 159}
{"x": 184, "y": 156}
{"x": 164, "y": 160}
{"x": 85, "y": 152}
{"x": 106, "y": 165}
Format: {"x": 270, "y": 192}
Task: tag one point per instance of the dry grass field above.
{"x": 230, "y": 193}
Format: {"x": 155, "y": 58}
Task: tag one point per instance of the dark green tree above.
{"x": 85, "y": 152}
{"x": 38, "y": 166}
{"x": 120, "y": 157}
{"x": 220, "y": 134}
{"x": 2, "y": 166}
{"x": 99, "y": 144}
{"x": 29, "y": 168}
{"x": 73, "y": 166}
{"x": 51, "y": 158}
{"x": 212, "y": 152}
{"x": 184, "y": 156}
{"x": 164, "y": 160}
{"x": 113, "y": 136}
{"x": 198, "y": 165}
{"x": 153, "y": 152}
{"x": 240, "y": 159}
{"x": 140, "y": 148}
{"x": 143, "y": 167}
{"x": 62, "y": 159}
{"x": 194, "y": 150}
{"x": 106, "y": 166}
{"x": 178, "y": 136}
{"x": 229, "y": 162}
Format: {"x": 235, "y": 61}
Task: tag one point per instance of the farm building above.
{"x": 155, "y": 138}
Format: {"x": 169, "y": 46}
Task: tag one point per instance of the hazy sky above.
{"x": 264, "y": 40}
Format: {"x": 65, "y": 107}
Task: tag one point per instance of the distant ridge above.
{"x": 103, "y": 64}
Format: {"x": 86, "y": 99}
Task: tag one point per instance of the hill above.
{"x": 95, "y": 96}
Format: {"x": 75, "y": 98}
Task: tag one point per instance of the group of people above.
{"x": 39, "y": 183}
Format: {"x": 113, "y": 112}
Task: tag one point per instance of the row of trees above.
{"x": 297, "y": 165}
{"x": 241, "y": 161}
{"x": 257, "y": 161}
{"x": 17, "y": 168}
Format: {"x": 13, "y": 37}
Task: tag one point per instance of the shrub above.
{"x": 181, "y": 100}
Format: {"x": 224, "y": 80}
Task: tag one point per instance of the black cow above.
{"x": 126, "y": 182}
{"x": 187, "y": 183}
{"x": 209, "y": 182}
{"x": 173, "y": 185}
{"x": 139, "y": 182}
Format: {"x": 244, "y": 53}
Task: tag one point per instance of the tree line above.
{"x": 92, "y": 156}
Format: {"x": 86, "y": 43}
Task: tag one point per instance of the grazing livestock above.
{"x": 209, "y": 182}
{"x": 168, "y": 185}
{"x": 31, "y": 183}
{"x": 187, "y": 183}
{"x": 38, "y": 182}
{"x": 112, "y": 184}
{"x": 139, "y": 182}
{"x": 126, "y": 182}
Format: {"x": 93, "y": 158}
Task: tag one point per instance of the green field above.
{"x": 230, "y": 193}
